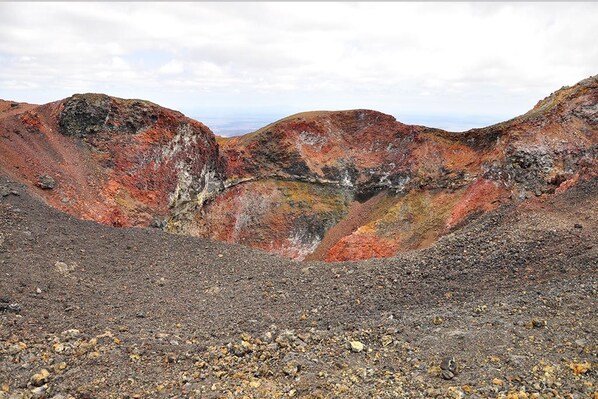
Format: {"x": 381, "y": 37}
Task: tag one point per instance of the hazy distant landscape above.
{"x": 235, "y": 125}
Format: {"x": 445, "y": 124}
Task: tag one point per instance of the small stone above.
{"x": 60, "y": 366}
{"x": 580, "y": 368}
{"x": 213, "y": 290}
{"x": 58, "y": 347}
{"x": 9, "y": 307}
{"x": 5, "y": 192}
{"x": 16, "y": 348}
{"x": 63, "y": 268}
{"x": 264, "y": 371}
{"x": 447, "y": 375}
{"x": 356, "y": 346}
{"x": 386, "y": 340}
{"x": 39, "y": 379}
{"x": 286, "y": 338}
{"x": 246, "y": 337}
{"x": 239, "y": 350}
{"x": 39, "y": 391}
{"x": 170, "y": 358}
{"x": 255, "y": 384}
{"x": 291, "y": 368}
{"x": 497, "y": 381}
{"x": 267, "y": 337}
{"x": 449, "y": 363}
{"x": 538, "y": 323}
{"x": 46, "y": 182}
{"x": 578, "y": 226}
{"x": 480, "y": 309}
{"x": 71, "y": 334}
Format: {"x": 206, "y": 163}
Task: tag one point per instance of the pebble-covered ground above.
{"x": 505, "y": 308}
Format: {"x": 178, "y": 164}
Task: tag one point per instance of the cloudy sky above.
{"x": 237, "y": 66}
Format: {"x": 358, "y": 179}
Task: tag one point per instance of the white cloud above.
{"x": 173, "y": 67}
{"x": 492, "y": 60}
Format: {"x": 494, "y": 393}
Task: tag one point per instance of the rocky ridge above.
{"x": 342, "y": 185}
{"x": 118, "y": 162}
{"x": 358, "y": 184}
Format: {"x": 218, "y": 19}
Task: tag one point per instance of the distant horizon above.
{"x": 236, "y": 125}
{"x": 226, "y": 123}
{"x": 453, "y": 66}
{"x": 229, "y": 124}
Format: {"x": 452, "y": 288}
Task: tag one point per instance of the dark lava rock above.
{"x": 87, "y": 114}
{"x": 536, "y": 323}
{"x": 447, "y": 375}
{"x": 6, "y": 307}
{"x": 84, "y": 114}
{"x": 448, "y": 367}
{"x": 46, "y": 182}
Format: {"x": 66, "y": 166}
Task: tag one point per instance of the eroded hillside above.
{"x": 358, "y": 184}
{"x": 118, "y": 162}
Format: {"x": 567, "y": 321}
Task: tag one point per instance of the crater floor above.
{"x": 88, "y": 310}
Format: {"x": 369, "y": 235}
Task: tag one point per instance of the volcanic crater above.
{"x": 460, "y": 265}
{"x": 323, "y": 185}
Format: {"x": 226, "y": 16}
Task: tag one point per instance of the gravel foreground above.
{"x": 502, "y": 308}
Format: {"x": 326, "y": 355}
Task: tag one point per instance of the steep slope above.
{"x": 426, "y": 181}
{"x": 119, "y": 162}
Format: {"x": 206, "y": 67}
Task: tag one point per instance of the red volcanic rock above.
{"x": 481, "y": 196}
{"x": 342, "y": 185}
{"x": 346, "y": 148}
{"x": 426, "y": 181}
{"x": 119, "y": 162}
{"x": 286, "y": 217}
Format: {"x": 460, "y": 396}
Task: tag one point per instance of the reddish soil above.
{"x": 357, "y": 215}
